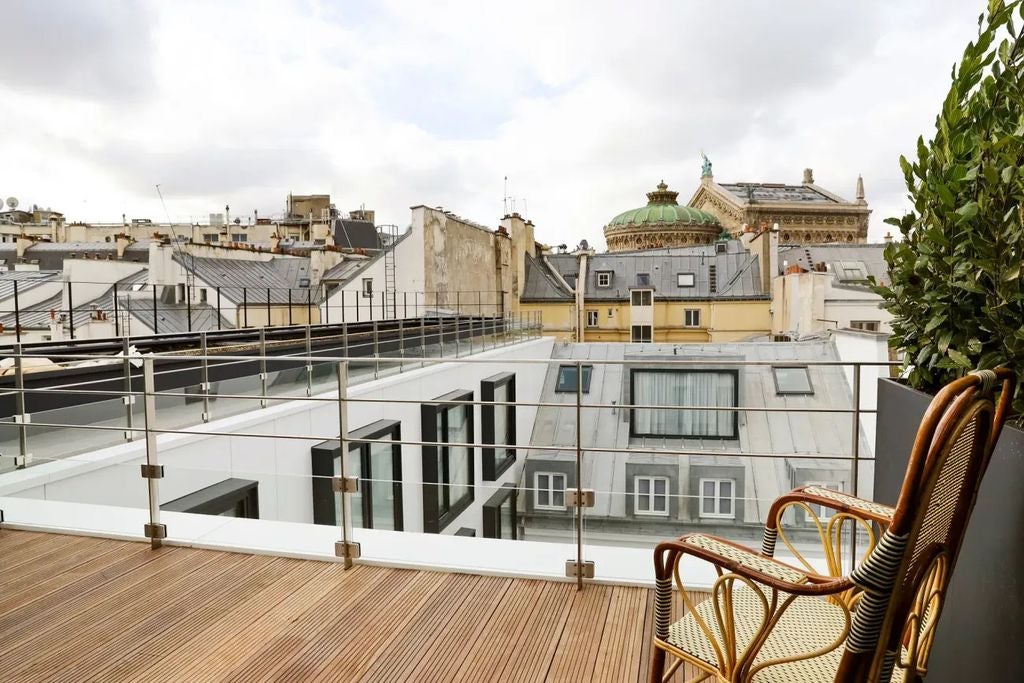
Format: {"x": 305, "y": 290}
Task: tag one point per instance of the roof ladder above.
{"x": 389, "y": 235}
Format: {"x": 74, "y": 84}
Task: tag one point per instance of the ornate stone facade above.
{"x": 805, "y": 213}
{"x": 662, "y": 223}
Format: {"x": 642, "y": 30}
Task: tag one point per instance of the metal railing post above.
{"x": 423, "y": 339}
{"x": 309, "y": 363}
{"x": 855, "y": 440}
{"x": 245, "y": 307}
{"x": 376, "y": 351}
{"x": 290, "y": 323}
{"x": 128, "y": 398}
{"x": 156, "y": 314}
{"x": 578, "y": 498}
{"x": 440, "y": 335}
{"x": 218, "y": 309}
{"x": 344, "y": 484}
{"x": 263, "y": 367}
{"x": 204, "y": 385}
{"x": 117, "y": 316}
{"x": 17, "y": 314}
{"x": 71, "y": 311}
{"x": 401, "y": 343}
{"x": 152, "y": 471}
{"x": 344, "y": 339}
{"x": 22, "y": 418}
{"x": 188, "y": 305}
{"x": 268, "y": 307}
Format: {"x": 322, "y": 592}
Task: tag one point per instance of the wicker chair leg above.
{"x": 657, "y": 665}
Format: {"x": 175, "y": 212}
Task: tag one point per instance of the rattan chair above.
{"x": 766, "y": 621}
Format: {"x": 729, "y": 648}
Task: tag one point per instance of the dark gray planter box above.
{"x": 982, "y": 627}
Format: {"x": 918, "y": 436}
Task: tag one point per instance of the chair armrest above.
{"x": 746, "y": 563}
{"x": 835, "y": 500}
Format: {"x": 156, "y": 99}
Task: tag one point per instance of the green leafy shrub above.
{"x": 956, "y": 289}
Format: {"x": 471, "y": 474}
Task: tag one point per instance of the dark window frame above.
{"x": 367, "y": 291}
{"x": 688, "y": 315}
{"x": 735, "y": 399}
{"x": 492, "y": 468}
{"x": 242, "y": 495}
{"x": 642, "y": 294}
{"x": 637, "y": 336}
{"x": 492, "y": 511}
{"x": 323, "y": 457}
{"x": 807, "y": 372}
{"x": 588, "y": 371}
{"x": 438, "y": 509}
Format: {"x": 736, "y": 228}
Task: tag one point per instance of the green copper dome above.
{"x": 663, "y": 208}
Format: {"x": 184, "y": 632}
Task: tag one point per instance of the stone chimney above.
{"x": 123, "y": 242}
{"x": 22, "y": 245}
{"x": 808, "y": 176}
{"x": 888, "y": 237}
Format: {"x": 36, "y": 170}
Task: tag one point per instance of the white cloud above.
{"x": 584, "y": 106}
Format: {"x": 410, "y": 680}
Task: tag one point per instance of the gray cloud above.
{"x": 82, "y": 48}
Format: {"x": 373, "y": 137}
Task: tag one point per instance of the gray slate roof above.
{"x": 783, "y": 433}
{"x": 26, "y": 279}
{"x": 174, "y": 317}
{"x": 869, "y": 257}
{"x": 38, "y": 315}
{"x": 541, "y": 284}
{"x": 763, "y": 193}
{"x": 233, "y": 276}
{"x": 737, "y": 274}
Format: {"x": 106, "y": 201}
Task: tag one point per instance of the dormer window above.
{"x": 604, "y": 279}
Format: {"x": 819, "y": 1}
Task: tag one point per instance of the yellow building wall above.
{"x": 720, "y": 321}
{"x": 556, "y": 318}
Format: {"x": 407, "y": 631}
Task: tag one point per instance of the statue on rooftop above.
{"x": 705, "y": 169}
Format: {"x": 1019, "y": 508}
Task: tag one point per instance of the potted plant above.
{"x": 956, "y": 292}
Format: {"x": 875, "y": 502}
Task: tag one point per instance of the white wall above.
{"x": 409, "y": 277}
{"x": 283, "y": 466}
{"x": 864, "y": 347}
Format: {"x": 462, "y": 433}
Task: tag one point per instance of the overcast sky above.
{"x": 584, "y": 106}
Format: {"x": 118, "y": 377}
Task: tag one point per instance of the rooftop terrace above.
{"x": 81, "y": 609}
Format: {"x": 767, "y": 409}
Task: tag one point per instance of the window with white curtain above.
{"x": 718, "y": 498}
{"x": 711, "y": 388}
{"x": 650, "y": 496}
{"x": 549, "y": 491}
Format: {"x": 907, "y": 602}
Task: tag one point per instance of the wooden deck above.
{"x": 75, "y": 608}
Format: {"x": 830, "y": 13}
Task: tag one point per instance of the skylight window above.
{"x": 792, "y": 380}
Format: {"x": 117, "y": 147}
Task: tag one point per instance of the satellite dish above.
{"x": 12, "y": 202}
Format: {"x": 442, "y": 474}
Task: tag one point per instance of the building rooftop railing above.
{"x": 161, "y": 410}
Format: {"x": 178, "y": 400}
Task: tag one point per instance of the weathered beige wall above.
{"x": 463, "y": 261}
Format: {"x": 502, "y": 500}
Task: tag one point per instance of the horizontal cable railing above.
{"x": 131, "y": 385}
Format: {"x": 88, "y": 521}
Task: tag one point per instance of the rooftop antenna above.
{"x": 176, "y": 243}
{"x": 504, "y": 197}
{"x": 525, "y": 212}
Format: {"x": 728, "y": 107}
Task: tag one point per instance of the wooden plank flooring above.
{"x": 74, "y": 608}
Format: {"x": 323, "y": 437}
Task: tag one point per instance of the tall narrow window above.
{"x": 650, "y": 496}
{"x": 367, "y": 287}
{"x": 592, "y": 318}
{"x": 640, "y": 334}
{"x": 499, "y": 424}
{"x": 718, "y": 498}
{"x": 500, "y": 519}
{"x": 704, "y": 388}
{"x": 377, "y": 504}
{"x": 447, "y": 466}
{"x": 691, "y": 317}
{"x": 549, "y": 491}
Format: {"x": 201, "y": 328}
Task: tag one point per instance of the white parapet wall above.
{"x": 217, "y": 450}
